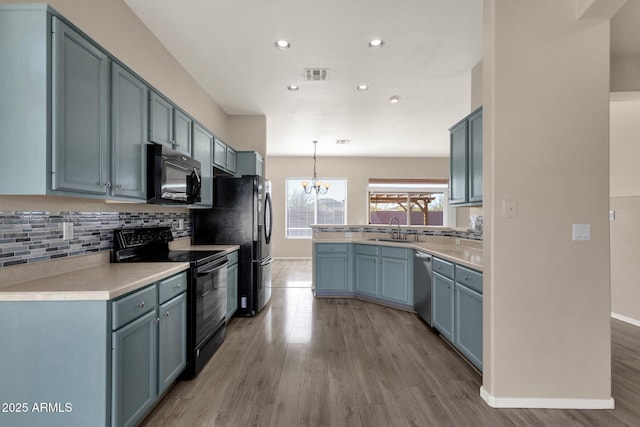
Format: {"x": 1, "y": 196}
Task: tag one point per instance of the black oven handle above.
{"x": 216, "y": 266}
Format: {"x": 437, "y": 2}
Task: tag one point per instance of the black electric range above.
{"x": 206, "y": 290}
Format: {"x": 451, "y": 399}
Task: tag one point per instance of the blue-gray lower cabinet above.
{"x": 232, "y": 284}
{"x": 366, "y": 270}
{"x": 457, "y": 307}
{"x": 172, "y": 341}
{"x": 135, "y": 369}
{"x": 443, "y": 305}
{"x": 332, "y": 270}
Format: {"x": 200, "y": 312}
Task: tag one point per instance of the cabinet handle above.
{"x": 157, "y": 320}
{"x": 177, "y": 286}
{"x": 107, "y": 184}
{"x": 466, "y": 277}
{"x": 141, "y": 304}
{"x": 166, "y": 314}
{"x": 119, "y": 186}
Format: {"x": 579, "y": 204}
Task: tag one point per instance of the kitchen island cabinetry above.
{"x": 332, "y": 269}
{"x": 366, "y": 270}
{"x": 466, "y": 160}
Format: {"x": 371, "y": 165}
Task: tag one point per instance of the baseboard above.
{"x": 545, "y": 403}
{"x": 625, "y": 319}
{"x": 292, "y": 258}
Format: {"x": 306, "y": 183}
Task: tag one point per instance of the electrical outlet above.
{"x": 180, "y": 224}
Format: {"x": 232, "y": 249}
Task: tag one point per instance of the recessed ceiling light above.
{"x": 394, "y": 99}
{"x": 376, "y": 43}
{"x": 362, "y": 87}
{"x": 293, "y": 88}
{"x": 282, "y": 44}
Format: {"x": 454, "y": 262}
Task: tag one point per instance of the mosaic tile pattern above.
{"x": 27, "y": 237}
{"x": 470, "y": 234}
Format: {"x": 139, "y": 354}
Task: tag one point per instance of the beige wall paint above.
{"x": 625, "y": 202}
{"x": 546, "y": 130}
{"x": 117, "y": 29}
{"x": 357, "y": 171}
{"x": 625, "y": 73}
{"x": 248, "y": 133}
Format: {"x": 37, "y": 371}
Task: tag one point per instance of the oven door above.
{"x": 210, "y": 299}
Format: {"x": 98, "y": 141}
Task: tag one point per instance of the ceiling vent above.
{"x": 316, "y": 74}
{"x": 342, "y": 141}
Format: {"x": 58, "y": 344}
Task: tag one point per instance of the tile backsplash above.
{"x": 33, "y": 236}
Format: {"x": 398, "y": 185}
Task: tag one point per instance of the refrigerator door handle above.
{"x": 268, "y": 218}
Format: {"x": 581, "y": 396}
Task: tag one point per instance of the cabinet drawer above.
{"x": 233, "y": 258}
{"x": 389, "y": 252}
{"x": 469, "y": 278}
{"x": 443, "y": 267}
{"x": 172, "y": 286}
{"x": 366, "y": 250}
{"x": 132, "y": 306}
{"x": 332, "y": 247}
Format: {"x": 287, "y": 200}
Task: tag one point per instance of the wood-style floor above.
{"x": 343, "y": 362}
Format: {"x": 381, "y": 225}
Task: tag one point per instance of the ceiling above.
{"x": 430, "y": 48}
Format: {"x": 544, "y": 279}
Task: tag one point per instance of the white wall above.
{"x": 625, "y": 202}
{"x": 547, "y": 339}
{"x": 357, "y": 171}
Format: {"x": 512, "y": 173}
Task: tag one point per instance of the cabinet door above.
{"x": 394, "y": 280}
{"x": 129, "y": 130}
{"x": 232, "y": 290}
{"x": 332, "y": 272}
{"x": 202, "y": 147}
{"x": 134, "y": 370}
{"x": 442, "y": 309}
{"x": 172, "y": 341}
{"x": 219, "y": 154}
{"x": 475, "y": 157}
{"x": 468, "y": 323}
{"x": 231, "y": 160}
{"x": 182, "y": 132}
{"x": 160, "y": 120}
{"x": 458, "y": 163}
{"x": 367, "y": 274}
{"x": 80, "y": 113}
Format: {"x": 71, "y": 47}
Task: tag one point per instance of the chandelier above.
{"x": 318, "y": 186}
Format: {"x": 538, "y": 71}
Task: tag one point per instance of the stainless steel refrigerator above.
{"x": 242, "y": 215}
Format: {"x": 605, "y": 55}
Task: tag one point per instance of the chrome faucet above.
{"x": 398, "y": 229}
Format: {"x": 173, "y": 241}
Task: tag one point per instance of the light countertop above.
{"x": 467, "y": 254}
{"x": 97, "y": 280}
{"x": 101, "y": 282}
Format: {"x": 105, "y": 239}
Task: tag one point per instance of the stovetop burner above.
{"x": 151, "y": 244}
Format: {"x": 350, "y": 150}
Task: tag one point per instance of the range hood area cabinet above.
{"x": 465, "y": 188}
{"x": 168, "y": 125}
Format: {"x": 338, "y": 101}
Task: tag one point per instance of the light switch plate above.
{"x": 612, "y": 215}
{"x": 67, "y": 230}
{"x": 510, "y": 209}
{"x": 581, "y": 232}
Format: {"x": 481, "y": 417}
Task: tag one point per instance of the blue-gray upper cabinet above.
{"x": 224, "y": 157}
{"x": 249, "y": 163}
{"x": 168, "y": 125}
{"x": 129, "y": 133}
{"x": 80, "y": 156}
{"x": 466, "y": 160}
{"x": 202, "y": 151}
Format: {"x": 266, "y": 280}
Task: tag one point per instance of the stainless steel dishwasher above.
{"x": 422, "y": 269}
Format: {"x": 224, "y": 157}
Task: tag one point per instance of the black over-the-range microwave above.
{"x": 172, "y": 177}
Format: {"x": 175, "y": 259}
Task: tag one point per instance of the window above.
{"x": 304, "y": 209}
{"x": 413, "y": 202}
